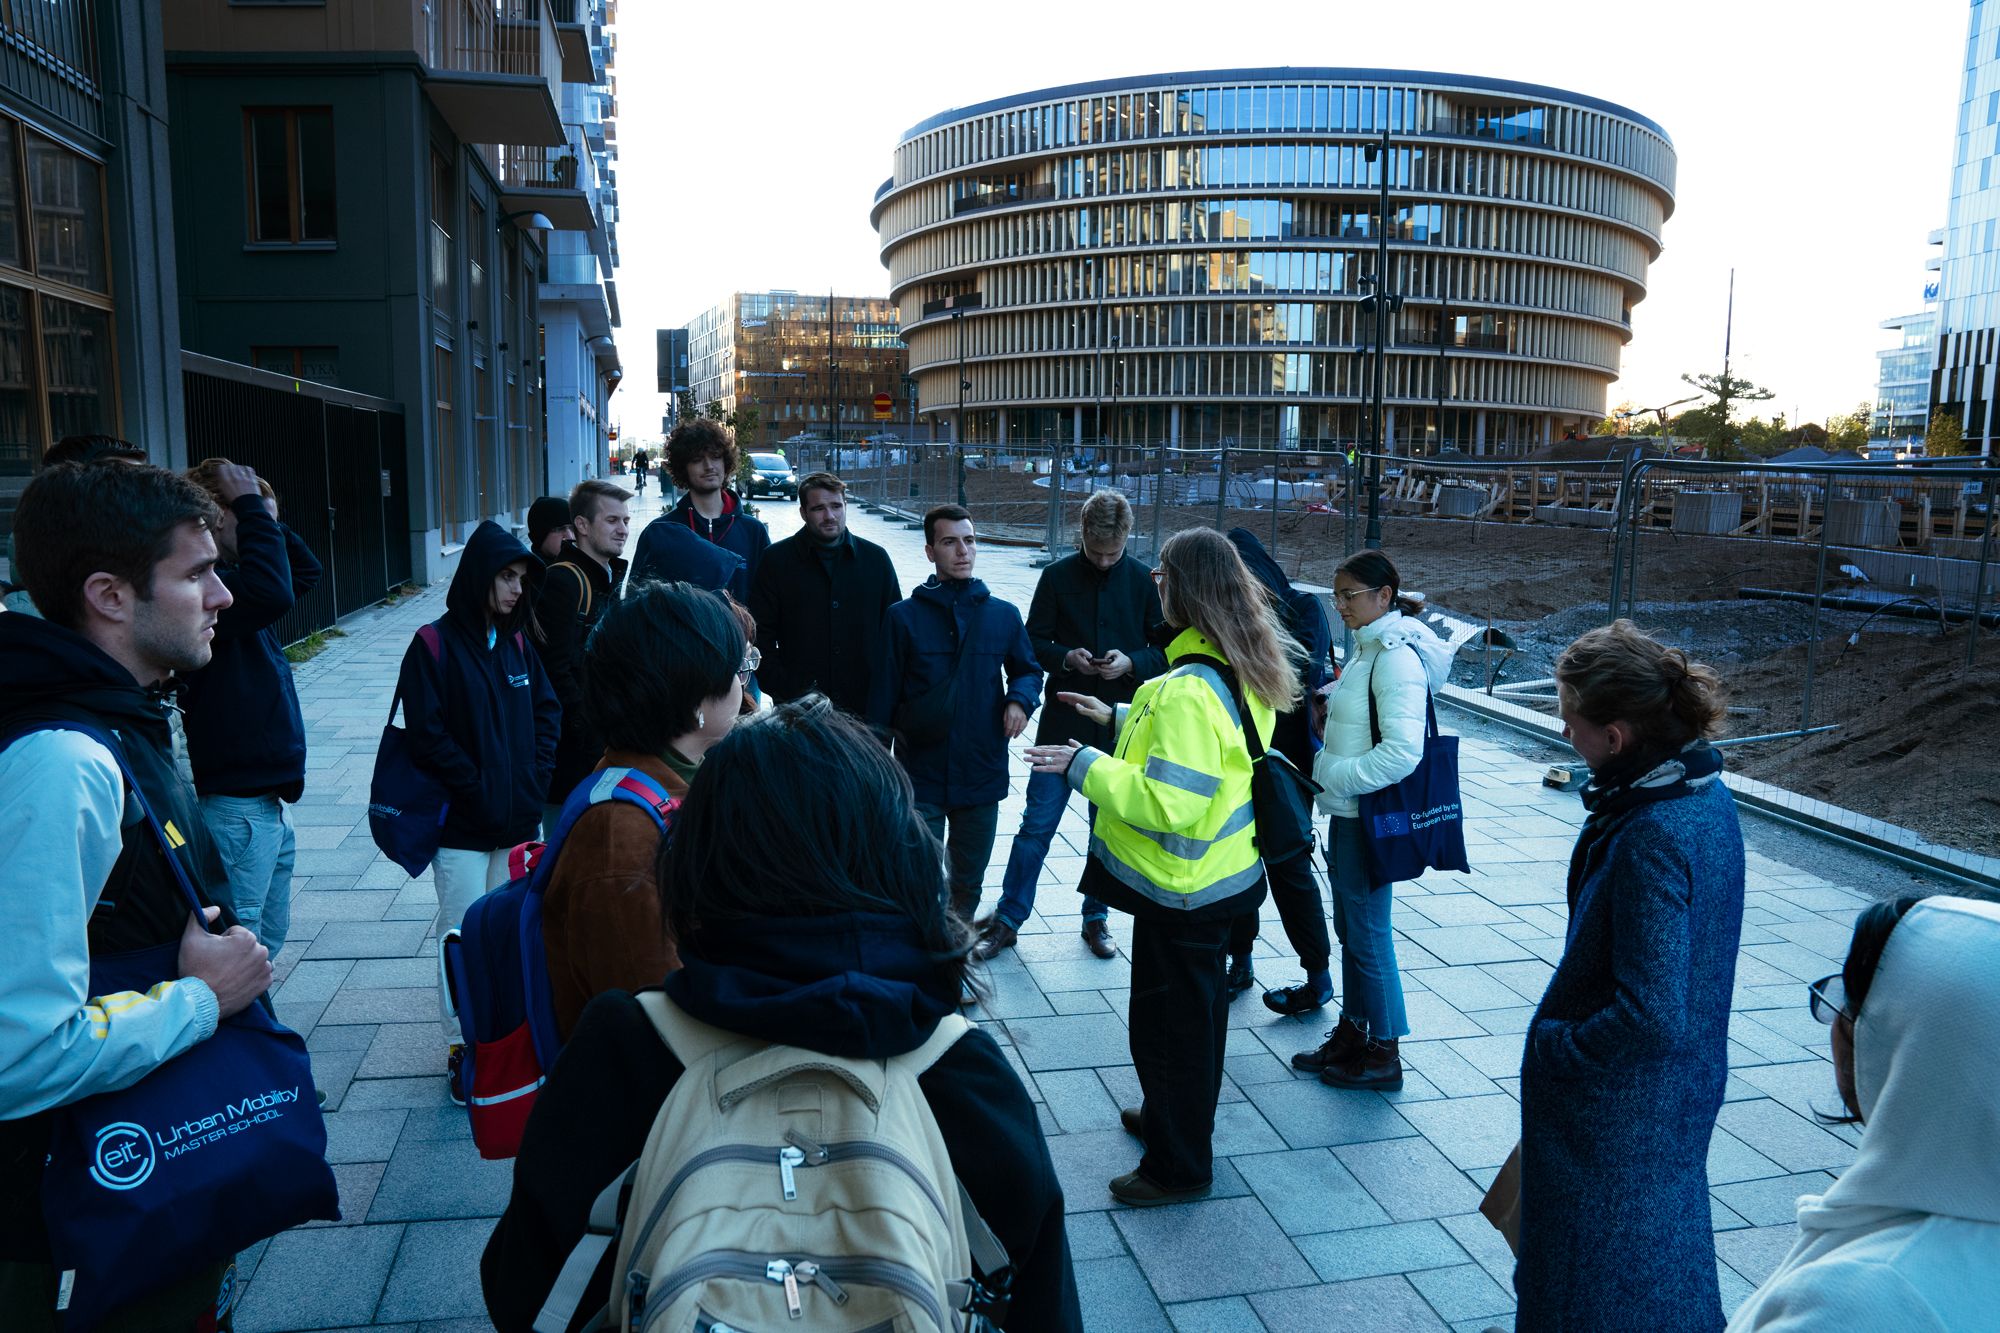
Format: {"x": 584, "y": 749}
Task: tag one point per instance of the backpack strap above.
{"x": 584, "y": 591}
{"x": 688, "y": 1038}
{"x": 598, "y": 1235}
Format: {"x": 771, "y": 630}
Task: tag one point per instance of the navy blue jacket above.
{"x": 1077, "y": 605}
{"x": 860, "y": 985}
{"x": 482, "y": 716}
{"x": 1623, "y": 1075}
{"x": 735, "y": 531}
{"x": 670, "y": 552}
{"x": 924, "y": 630}
{"x": 245, "y": 735}
{"x": 1305, "y": 619}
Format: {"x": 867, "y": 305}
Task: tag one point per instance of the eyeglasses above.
{"x": 751, "y": 661}
{"x": 1346, "y": 596}
{"x": 1827, "y": 998}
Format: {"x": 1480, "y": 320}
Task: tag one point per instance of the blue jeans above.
{"x": 1371, "y": 989}
{"x": 1048, "y": 797}
{"x": 254, "y": 837}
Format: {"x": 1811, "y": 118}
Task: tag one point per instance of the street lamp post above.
{"x": 910, "y": 436}
{"x": 1380, "y": 304}
{"x": 958, "y": 425}
{"x": 833, "y": 413}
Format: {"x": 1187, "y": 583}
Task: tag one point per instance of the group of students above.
{"x": 803, "y": 901}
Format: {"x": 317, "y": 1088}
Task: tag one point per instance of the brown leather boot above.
{"x": 1376, "y": 1067}
{"x": 1341, "y": 1043}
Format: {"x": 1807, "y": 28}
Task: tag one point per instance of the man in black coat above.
{"x": 819, "y": 600}
{"x": 581, "y": 582}
{"x": 1091, "y": 625}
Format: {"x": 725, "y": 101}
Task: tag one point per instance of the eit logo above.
{"x": 124, "y": 1156}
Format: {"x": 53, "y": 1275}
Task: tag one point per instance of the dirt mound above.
{"x": 1915, "y": 745}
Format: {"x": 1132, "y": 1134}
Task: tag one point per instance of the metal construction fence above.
{"x": 1820, "y": 592}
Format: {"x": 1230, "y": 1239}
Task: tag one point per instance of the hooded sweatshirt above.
{"x": 1909, "y": 1237}
{"x": 481, "y": 714}
{"x": 1401, "y": 661}
{"x": 859, "y": 985}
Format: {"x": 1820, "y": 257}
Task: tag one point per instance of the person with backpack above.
{"x": 580, "y": 583}
{"x": 1375, "y": 725}
{"x": 1175, "y": 842}
{"x": 483, "y": 720}
{"x": 601, "y": 909}
{"x": 121, "y": 560}
{"x": 1294, "y": 887}
{"x": 806, "y": 1067}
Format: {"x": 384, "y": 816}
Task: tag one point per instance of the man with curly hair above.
{"x": 702, "y": 458}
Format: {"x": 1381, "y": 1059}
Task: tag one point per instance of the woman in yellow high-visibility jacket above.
{"x": 1173, "y": 842}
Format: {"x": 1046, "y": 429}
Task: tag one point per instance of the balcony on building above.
{"x": 560, "y": 181}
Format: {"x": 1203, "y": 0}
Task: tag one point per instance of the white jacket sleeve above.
{"x": 59, "y": 1043}
{"x": 1401, "y": 690}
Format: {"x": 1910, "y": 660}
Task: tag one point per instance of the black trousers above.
{"x": 1295, "y": 889}
{"x": 1179, "y": 1024}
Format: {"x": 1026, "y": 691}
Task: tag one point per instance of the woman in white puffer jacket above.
{"x": 1400, "y": 661}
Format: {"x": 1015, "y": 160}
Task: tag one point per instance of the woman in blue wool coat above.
{"x": 1628, "y": 1050}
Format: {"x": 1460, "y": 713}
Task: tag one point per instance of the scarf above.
{"x": 1620, "y": 788}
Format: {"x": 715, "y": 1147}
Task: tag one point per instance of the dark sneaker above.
{"x": 1241, "y": 978}
{"x": 454, "y": 1072}
{"x": 1340, "y": 1044}
{"x": 1133, "y": 1124}
{"x": 1098, "y": 936}
{"x": 1295, "y": 1000}
{"x": 1376, "y": 1067}
{"x": 1135, "y": 1189}
{"x": 996, "y": 937}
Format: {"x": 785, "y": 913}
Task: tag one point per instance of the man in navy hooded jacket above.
{"x": 952, "y": 627}
{"x": 483, "y": 719}
{"x": 246, "y": 736}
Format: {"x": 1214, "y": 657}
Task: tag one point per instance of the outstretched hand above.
{"x": 1093, "y": 710}
{"x": 1052, "y": 758}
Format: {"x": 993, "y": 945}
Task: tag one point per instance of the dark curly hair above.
{"x": 694, "y": 440}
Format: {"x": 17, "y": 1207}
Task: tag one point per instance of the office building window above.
{"x": 288, "y": 155}
{"x": 57, "y": 356}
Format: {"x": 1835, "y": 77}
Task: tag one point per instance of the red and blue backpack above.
{"x": 496, "y": 971}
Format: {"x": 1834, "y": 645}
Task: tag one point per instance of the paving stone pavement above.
{"x": 1332, "y": 1210}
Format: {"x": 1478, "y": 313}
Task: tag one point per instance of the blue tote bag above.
{"x": 1417, "y": 824}
{"x": 213, "y": 1151}
{"x": 406, "y": 804}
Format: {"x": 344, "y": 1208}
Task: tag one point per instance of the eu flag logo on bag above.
{"x": 1393, "y": 824}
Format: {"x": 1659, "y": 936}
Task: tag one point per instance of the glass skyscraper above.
{"x": 1184, "y": 257}
{"x": 1968, "y": 333}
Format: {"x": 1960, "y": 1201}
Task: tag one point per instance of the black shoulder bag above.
{"x": 1281, "y": 797}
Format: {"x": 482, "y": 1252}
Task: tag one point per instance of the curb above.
{"x": 1876, "y": 837}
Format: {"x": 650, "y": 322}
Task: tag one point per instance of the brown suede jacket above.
{"x": 601, "y": 910}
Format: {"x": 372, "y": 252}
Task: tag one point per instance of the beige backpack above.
{"x": 782, "y": 1188}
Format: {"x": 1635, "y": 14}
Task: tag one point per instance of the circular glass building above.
{"x": 1189, "y": 257}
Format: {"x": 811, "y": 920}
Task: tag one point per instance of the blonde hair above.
{"x": 1619, "y": 673}
{"x": 1107, "y": 517}
{"x": 1209, "y": 588}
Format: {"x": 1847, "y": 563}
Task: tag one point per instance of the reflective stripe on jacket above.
{"x": 1173, "y": 800}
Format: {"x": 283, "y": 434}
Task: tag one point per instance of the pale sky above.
{"x": 1815, "y": 143}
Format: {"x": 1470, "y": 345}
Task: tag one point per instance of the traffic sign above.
{"x": 883, "y": 405}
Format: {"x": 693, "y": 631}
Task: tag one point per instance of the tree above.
{"x": 1945, "y": 438}
{"x": 713, "y": 410}
{"x": 684, "y": 408}
{"x": 1715, "y": 432}
{"x": 1611, "y": 425}
{"x": 1761, "y": 439}
{"x": 1850, "y": 430}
